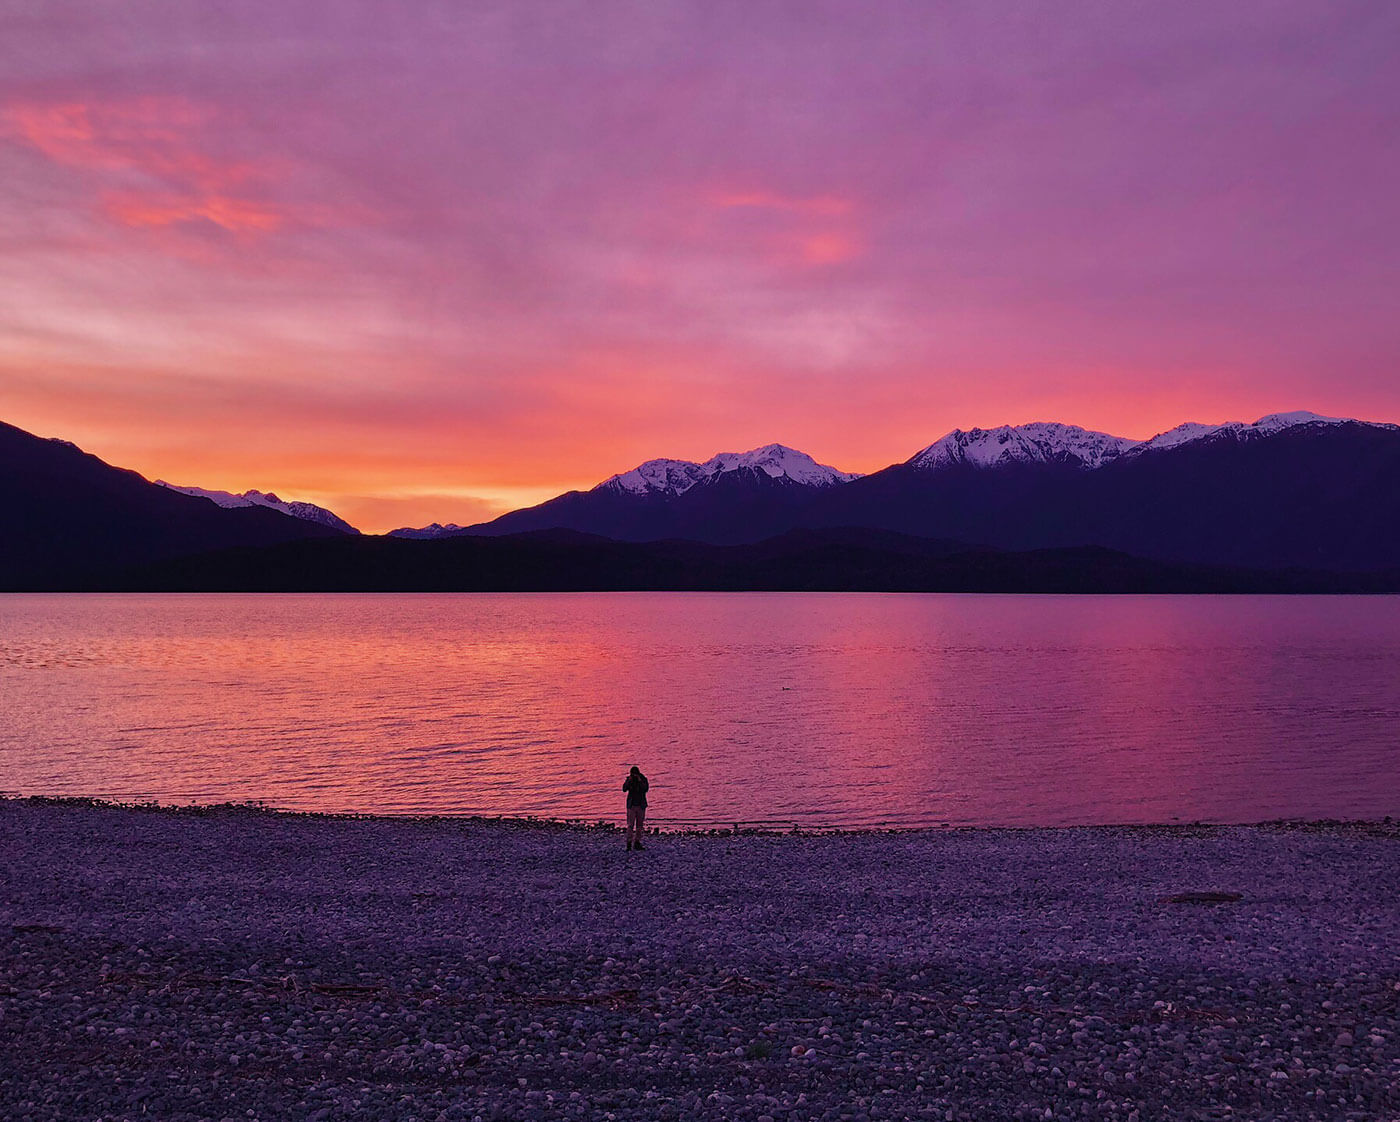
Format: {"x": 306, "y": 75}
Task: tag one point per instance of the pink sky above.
{"x": 432, "y": 261}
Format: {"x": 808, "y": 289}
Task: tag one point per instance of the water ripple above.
{"x": 823, "y": 709}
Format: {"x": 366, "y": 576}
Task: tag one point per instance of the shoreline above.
{"x": 235, "y": 963}
{"x": 1387, "y": 826}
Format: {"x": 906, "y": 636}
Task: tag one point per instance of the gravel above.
{"x": 233, "y": 964}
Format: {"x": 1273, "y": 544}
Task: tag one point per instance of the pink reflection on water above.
{"x": 825, "y": 709}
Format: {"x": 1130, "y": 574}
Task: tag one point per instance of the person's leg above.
{"x": 633, "y": 833}
{"x": 641, "y": 821}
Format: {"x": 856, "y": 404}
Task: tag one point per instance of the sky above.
{"x": 432, "y": 261}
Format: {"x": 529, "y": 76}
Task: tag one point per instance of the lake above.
{"x": 819, "y": 709}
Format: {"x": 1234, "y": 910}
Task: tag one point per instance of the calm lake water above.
{"x": 821, "y": 709}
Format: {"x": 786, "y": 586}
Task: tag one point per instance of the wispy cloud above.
{"x": 377, "y": 249}
{"x": 812, "y": 231}
{"x": 237, "y": 215}
{"x": 825, "y": 206}
{"x": 152, "y": 162}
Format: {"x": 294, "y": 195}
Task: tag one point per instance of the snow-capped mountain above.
{"x": 307, "y": 512}
{"x": 1040, "y": 442}
{"x": 427, "y": 533}
{"x": 728, "y": 498}
{"x": 1290, "y": 491}
{"x": 1273, "y": 424}
{"x": 675, "y": 477}
{"x": 1048, "y": 442}
{"x": 1200, "y": 492}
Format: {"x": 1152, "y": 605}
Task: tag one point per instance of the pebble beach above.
{"x": 235, "y": 963}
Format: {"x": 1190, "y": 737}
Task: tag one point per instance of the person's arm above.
{"x": 625, "y": 782}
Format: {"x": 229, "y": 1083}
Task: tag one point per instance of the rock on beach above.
{"x": 229, "y": 963}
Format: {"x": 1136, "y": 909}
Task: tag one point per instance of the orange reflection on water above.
{"x": 825, "y": 709}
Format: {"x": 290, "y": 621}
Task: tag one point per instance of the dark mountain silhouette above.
{"x": 1311, "y": 493}
{"x": 71, "y": 520}
{"x": 1294, "y": 506}
{"x": 833, "y": 560}
{"x": 1311, "y": 496}
{"x": 742, "y": 505}
{"x": 733, "y": 497}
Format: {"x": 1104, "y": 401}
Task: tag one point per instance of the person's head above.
{"x": 636, "y": 770}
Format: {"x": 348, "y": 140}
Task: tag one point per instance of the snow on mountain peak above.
{"x": 675, "y": 477}
{"x": 1239, "y": 430}
{"x": 1184, "y": 433}
{"x": 1040, "y": 442}
{"x": 1277, "y": 422}
{"x": 308, "y": 512}
{"x": 670, "y": 476}
{"x": 1050, "y": 442}
{"x": 778, "y": 461}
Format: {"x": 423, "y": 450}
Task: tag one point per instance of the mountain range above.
{"x": 308, "y": 511}
{"x": 733, "y": 497}
{"x": 1303, "y": 497}
{"x": 1289, "y": 490}
{"x": 72, "y": 521}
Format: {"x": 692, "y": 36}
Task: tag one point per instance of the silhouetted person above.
{"x": 636, "y": 787}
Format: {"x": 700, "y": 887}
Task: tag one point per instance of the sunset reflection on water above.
{"x": 813, "y": 708}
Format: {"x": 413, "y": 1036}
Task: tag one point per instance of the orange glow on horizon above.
{"x": 423, "y": 269}
{"x": 389, "y": 458}
{"x": 418, "y": 470}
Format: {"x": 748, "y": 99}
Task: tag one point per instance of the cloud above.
{"x": 149, "y": 133}
{"x": 154, "y": 137}
{"x": 236, "y": 215}
{"x": 829, "y": 248}
{"x": 825, "y": 206}
{"x": 153, "y": 163}
{"x": 380, "y": 250}
{"x": 806, "y": 231}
